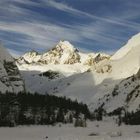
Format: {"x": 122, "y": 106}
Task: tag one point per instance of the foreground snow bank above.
{"x": 94, "y": 131}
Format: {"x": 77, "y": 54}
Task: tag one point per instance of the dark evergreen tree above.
{"x": 26, "y": 108}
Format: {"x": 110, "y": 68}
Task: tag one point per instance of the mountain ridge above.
{"x": 63, "y": 53}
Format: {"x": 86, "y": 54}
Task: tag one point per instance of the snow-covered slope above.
{"x": 10, "y": 79}
{"x": 131, "y": 44}
{"x": 37, "y": 81}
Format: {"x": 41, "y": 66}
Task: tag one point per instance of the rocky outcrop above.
{"x": 10, "y": 78}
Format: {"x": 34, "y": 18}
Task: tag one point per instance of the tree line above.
{"x": 27, "y": 109}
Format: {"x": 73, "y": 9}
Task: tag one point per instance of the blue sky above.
{"x": 90, "y": 25}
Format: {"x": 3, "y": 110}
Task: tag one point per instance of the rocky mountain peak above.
{"x": 63, "y": 53}
{"x": 65, "y": 46}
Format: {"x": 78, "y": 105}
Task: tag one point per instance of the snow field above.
{"x": 94, "y": 131}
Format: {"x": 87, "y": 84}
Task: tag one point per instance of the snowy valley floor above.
{"x": 94, "y": 131}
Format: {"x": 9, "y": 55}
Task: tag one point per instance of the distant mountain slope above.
{"x": 10, "y": 79}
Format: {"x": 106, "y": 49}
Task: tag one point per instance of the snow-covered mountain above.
{"x": 64, "y": 59}
{"x": 10, "y": 78}
{"x": 125, "y": 65}
{"x": 62, "y": 53}
{"x": 91, "y": 78}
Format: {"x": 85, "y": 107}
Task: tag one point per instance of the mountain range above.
{"x": 62, "y": 53}
{"x": 98, "y": 79}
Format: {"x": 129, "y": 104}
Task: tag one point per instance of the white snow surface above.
{"x": 131, "y": 44}
{"x": 94, "y": 131}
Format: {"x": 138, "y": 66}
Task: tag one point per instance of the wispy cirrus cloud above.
{"x": 41, "y": 24}
{"x": 119, "y": 21}
{"x": 47, "y": 35}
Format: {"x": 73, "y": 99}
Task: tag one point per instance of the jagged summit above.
{"x": 65, "y": 45}
{"x": 62, "y": 53}
{"x": 30, "y": 57}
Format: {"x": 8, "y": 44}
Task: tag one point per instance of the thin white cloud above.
{"x": 45, "y": 35}
{"x": 68, "y": 9}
